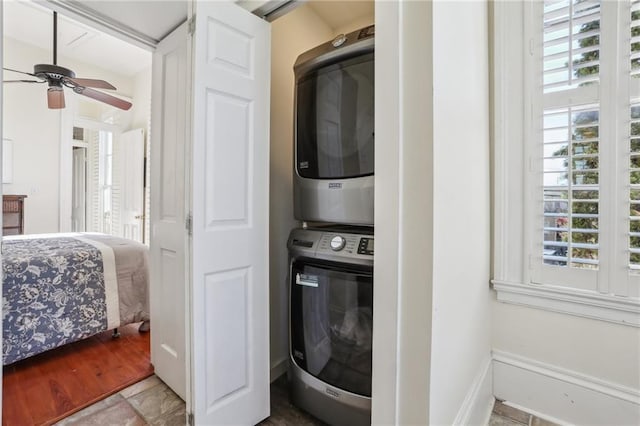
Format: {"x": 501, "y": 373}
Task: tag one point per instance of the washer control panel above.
{"x": 331, "y": 243}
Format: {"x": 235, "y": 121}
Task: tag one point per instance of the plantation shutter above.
{"x": 95, "y": 218}
{"x": 571, "y": 44}
{"x": 116, "y": 175}
{"x": 633, "y": 148}
{"x": 567, "y": 124}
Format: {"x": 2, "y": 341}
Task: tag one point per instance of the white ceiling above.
{"x": 154, "y": 19}
{"x": 33, "y": 24}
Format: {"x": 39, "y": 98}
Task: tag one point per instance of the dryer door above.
{"x": 331, "y": 323}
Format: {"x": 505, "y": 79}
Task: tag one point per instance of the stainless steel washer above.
{"x": 331, "y": 322}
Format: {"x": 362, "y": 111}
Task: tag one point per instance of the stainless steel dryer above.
{"x": 331, "y": 323}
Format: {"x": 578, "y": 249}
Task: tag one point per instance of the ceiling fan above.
{"x": 58, "y": 77}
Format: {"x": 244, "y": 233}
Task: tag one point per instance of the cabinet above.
{"x": 13, "y": 214}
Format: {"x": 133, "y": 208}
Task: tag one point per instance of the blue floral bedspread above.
{"x": 53, "y": 293}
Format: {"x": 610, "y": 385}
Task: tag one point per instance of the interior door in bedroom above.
{"x": 230, "y": 187}
{"x": 130, "y": 157}
{"x": 169, "y": 238}
{"x": 79, "y": 190}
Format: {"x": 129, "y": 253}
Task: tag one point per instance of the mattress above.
{"x": 61, "y": 288}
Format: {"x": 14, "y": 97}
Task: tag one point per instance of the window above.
{"x": 579, "y": 131}
{"x": 566, "y": 108}
{"x": 100, "y": 181}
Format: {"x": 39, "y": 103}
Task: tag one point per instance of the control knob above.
{"x": 337, "y": 243}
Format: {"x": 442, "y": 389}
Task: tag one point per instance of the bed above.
{"x": 60, "y": 288}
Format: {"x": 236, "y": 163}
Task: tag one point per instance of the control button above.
{"x": 337, "y": 243}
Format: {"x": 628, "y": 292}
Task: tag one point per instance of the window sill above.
{"x": 620, "y": 310}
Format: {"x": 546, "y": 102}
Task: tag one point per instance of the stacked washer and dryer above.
{"x": 331, "y": 254}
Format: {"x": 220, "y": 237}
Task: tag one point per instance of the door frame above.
{"x": 85, "y": 146}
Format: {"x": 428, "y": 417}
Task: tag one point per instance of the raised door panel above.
{"x": 227, "y": 172}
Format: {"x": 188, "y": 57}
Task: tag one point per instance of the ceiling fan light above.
{"x": 55, "y": 97}
{"x": 57, "y": 77}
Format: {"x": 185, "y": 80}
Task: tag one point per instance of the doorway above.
{"x": 108, "y": 182}
{"x": 65, "y": 192}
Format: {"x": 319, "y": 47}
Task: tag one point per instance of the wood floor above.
{"x": 43, "y": 389}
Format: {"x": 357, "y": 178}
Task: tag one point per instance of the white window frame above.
{"x": 516, "y": 202}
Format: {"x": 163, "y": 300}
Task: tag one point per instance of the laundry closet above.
{"x": 338, "y": 284}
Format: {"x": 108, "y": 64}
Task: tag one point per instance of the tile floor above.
{"x": 151, "y": 402}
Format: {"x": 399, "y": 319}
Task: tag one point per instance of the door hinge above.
{"x": 191, "y": 25}
{"x": 190, "y": 419}
{"x": 188, "y": 224}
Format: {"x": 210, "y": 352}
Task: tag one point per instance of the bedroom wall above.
{"x": 35, "y": 131}
{"x": 141, "y": 110}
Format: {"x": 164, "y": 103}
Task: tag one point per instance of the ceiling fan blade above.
{"x": 103, "y": 97}
{"x": 23, "y": 81}
{"x": 55, "y": 98}
{"x": 91, "y": 82}
{"x": 21, "y": 72}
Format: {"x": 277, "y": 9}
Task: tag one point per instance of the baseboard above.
{"x": 564, "y": 396}
{"x": 478, "y": 403}
{"x": 279, "y": 368}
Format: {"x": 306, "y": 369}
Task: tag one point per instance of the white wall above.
{"x": 141, "y": 109}
{"x": 600, "y": 349}
{"x": 432, "y": 356}
{"x": 570, "y": 369}
{"x": 35, "y": 130}
{"x": 461, "y": 339}
{"x": 291, "y": 35}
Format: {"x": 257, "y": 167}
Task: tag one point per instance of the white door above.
{"x": 230, "y": 190}
{"x": 130, "y": 153}
{"x": 79, "y": 190}
{"x": 169, "y": 238}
